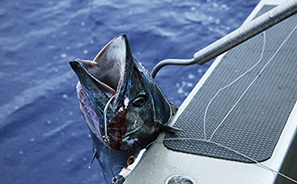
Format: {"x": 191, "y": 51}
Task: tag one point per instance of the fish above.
{"x": 124, "y": 108}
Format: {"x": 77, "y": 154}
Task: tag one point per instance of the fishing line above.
{"x": 228, "y": 85}
{"x": 232, "y": 150}
{"x": 264, "y": 67}
{"x": 110, "y": 162}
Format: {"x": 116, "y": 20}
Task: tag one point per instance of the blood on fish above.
{"x": 117, "y": 130}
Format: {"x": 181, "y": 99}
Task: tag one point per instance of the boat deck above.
{"x": 240, "y": 117}
{"x": 246, "y": 101}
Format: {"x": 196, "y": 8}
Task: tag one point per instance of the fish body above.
{"x": 123, "y": 107}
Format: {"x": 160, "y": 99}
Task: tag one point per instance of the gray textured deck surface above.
{"x": 255, "y": 124}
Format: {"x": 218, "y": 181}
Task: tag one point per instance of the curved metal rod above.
{"x": 165, "y": 62}
{"x": 237, "y": 37}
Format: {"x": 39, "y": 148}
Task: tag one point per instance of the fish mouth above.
{"x": 108, "y": 67}
{"x": 101, "y": 79}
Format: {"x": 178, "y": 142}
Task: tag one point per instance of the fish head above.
{"x": 122, "y": 105}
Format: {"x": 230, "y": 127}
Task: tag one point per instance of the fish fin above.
{"x": 173, "y": 109}
{"x": 168, "y": 128}
{"x": 93, "y": 157}
{"x": 171, "y": 129}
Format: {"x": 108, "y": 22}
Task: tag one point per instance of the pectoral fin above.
{"x": 93, "y": 157}
{"x": 171, "y": 129}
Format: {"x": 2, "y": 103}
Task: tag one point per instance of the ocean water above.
{"x": 43, "y": 137}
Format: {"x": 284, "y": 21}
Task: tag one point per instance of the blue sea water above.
{"x": 43, "y": 137}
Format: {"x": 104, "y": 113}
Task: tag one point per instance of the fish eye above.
{"x": 140, "y": 100}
